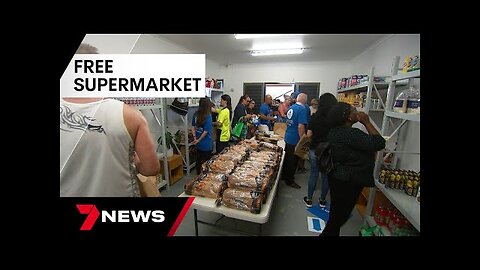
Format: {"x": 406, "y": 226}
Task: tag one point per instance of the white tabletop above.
{"x": 208, "y": 204}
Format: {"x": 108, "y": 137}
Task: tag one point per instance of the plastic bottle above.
{"x": 400, "y": 105}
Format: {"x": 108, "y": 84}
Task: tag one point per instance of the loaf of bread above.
{"x": 242, "y": 199}
{"x": 207, "y": 185}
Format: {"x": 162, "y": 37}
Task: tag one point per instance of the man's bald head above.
{"x": 268, "y": 99}
{"x": 302, "y": 98}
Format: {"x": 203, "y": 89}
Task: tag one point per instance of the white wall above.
{"x": 121, "y": 44}
{"x": 381, "y": 57}
{"x": 381, "y": 54}
{"x": 327, "y": 73}
{"x": 149, "y": 44}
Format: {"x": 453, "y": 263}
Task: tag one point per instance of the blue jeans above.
{"x": 312, "y": 181}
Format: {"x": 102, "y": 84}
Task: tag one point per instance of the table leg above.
{"x": 196, "y": 221}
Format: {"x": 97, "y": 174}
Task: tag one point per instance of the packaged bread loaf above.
{"x": 242, "y": 199}
{"x": 207, "y": 185}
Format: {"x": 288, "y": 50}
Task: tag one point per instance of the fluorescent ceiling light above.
{"x": 244, "y": 36}
{"x": 276, "y": 52}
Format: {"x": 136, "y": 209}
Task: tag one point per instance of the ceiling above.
{"x": 225, "y": 49}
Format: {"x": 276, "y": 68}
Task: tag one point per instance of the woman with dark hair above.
{"x": 353, "y": 153}
{"x": 223, "y": 122}
{"x": 318, "y": 129}
{"x": 202, "y": 129}
{"x": 241, "y": 110}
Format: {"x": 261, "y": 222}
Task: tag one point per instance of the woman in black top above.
{"x": 353, "y": 153}
{"x": 318, "y": 129}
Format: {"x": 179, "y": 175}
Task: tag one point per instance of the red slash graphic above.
{"x": 93, "y": 214}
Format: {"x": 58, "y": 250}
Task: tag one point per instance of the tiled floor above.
{"x": 288, "y": 216}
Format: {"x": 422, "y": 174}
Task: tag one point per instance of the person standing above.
{"x": 104, "y": 144}
{"x": 283, "y": 108}
{"x": 353, "y": 152}
{"x": 250, "y": 107}
{"x": 202, "y": 128}
{"x": 313, "y": 105}
{"x": 301, "y": 162}
{"x": 223, "y": 122}
{"x": 296, "y": 121}
{"x": 266, "y": 112}
{"x": 241, "y": 110}
{"x": 318, "y": 129}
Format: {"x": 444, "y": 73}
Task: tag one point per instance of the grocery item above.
{"x": 406, "y": 64}
{"x": 400, "y": 105}
{"x": 413, "y": 102}
{"x": 207, "y": 185}
{"x": 243, "y": 199}
{"x": 414, "y": 63}
{"x": 418, "y": 195}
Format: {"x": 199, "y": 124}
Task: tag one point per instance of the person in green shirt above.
{"x": 223, "y": 122}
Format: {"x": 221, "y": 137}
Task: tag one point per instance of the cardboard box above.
{"x": 175, "y": 168}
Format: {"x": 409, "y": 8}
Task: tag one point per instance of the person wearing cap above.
{"x": 266, "y": 112}
{"x": 296, "y": 122}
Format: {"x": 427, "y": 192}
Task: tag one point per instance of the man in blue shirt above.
{"x": 296, "y": 122}
{"x": 266, "y": 113}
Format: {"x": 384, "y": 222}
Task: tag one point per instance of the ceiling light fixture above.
{"x": 244, "y": 36}
{"x": 276, "y": 52}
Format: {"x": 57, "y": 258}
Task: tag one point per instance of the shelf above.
{"x": 162, "y": 184}
{"x": 406, "y": 204}
{"x": 406, "y": 116}
{"x": 371, "y": 222}
{"x": 363, "y": 87}
{"x": 214, "y": 89}
{"x": 150, "y": 107}
{"x": 403, "y": 76}
{"x": 190, "y": 167}
{"x": 371, "y": 110}
{"x": 182, "y": 144}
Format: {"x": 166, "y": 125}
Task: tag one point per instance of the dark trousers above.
{"x": 344, "y": 196}
{"x": 290, "y": 163}
{"x": 202, "y": 156}
{"x": 220, "y": 145}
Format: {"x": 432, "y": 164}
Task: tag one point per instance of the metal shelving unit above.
{"x": 161, "y": 122}
{"x": 406, "y": 204}
{"x": 187, "y": 166}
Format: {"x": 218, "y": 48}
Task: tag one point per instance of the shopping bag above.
{"x": 280, "y": 128}
{"x": 148, "y": 186}
{"x": 238, "y": 129}
{"x": 302, "y": 148}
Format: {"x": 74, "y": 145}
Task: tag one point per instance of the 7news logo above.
{"x": 117, "y": 216}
